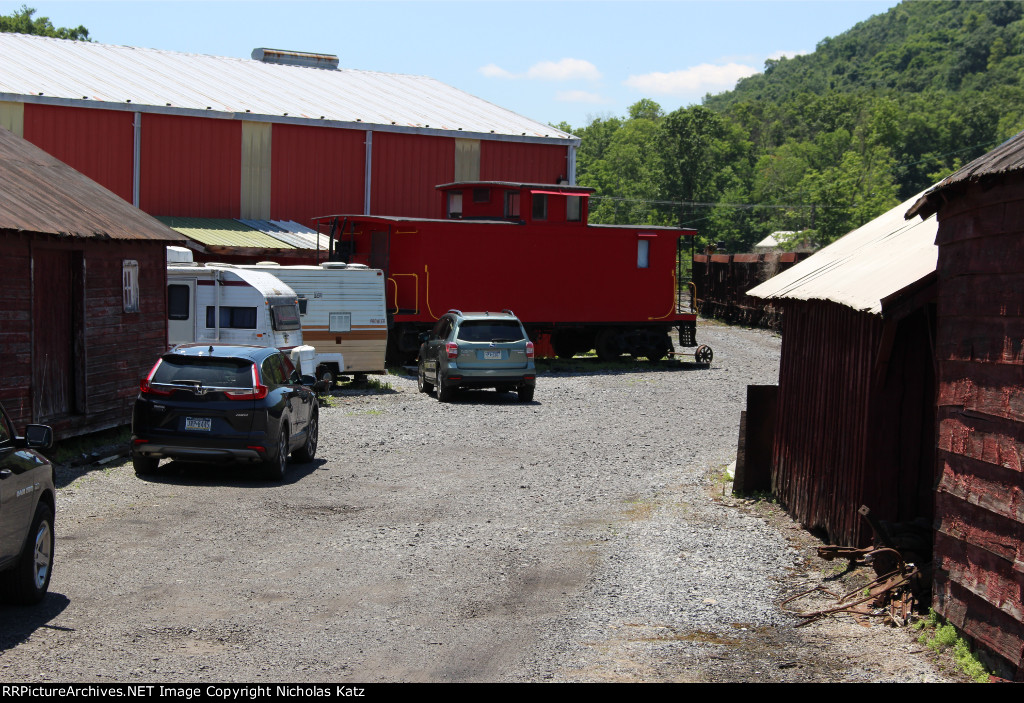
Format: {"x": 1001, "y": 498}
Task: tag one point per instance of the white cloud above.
{"x": 579, "y": 96}
{"x": 494, "y": 71}
{"x": 786, "y": 54}
{"x": 698, "y": 79}
{"x": 564, "y": 70}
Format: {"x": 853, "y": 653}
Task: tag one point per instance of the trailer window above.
{"x": 341, "y": 322}
{"x": 179, "y": 302}
{"x": 238, "y": 318}
{"x": 285, "y": 317}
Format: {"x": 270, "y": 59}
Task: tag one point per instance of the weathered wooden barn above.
{"x": 283, "y": 136}
{"x": 979, "y": 504}
{"x": 82, "y": 305}
{"x": 856, "y": 382}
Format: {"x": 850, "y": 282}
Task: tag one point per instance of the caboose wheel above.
{"x": 703, "y": 355}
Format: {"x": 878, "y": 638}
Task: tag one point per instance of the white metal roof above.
{"x": 865, "y": 266}
{"x": 66, "y": 72}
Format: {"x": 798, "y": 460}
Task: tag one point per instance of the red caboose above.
{"x": 619, "y": 289}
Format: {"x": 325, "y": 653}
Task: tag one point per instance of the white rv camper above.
{"x": 224, "y": 304}
{"x": 343, "y": 314}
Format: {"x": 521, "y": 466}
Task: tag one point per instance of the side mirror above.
{"x": 38, "y": 436}
{"x": 308, "y": 380}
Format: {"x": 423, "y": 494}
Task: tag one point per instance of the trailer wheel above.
{"x": 325, "y": 374}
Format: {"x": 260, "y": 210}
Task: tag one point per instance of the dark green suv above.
{"x": 477, "y": 350}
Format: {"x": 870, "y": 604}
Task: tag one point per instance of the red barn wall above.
{"x": 316, "y": 171}
{"x": 406, "y": 168}
{"x": 98, "y": 143}
{"x": 115, "y": 348}
{"x": 979, "y": 559}
{"x": 522, "y": 163}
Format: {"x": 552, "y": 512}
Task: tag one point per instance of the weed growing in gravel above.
{"x": 943, "y": 637}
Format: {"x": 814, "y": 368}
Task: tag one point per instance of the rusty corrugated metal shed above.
{"x": 41, "y": 194}
{"x": 1005, "y": 158}
{"x": 88, "y": 74}
{"x": 863, "y": 268}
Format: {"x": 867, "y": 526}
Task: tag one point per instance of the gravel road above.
{"x": 581, "y": 537}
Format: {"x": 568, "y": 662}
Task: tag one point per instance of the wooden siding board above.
{"x": 993, "y": 488}
{"x": 980, "y": 620}
{"x": 996, "y": 390}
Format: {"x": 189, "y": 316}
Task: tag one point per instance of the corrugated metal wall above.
{"x": 524, "y": 163}
{"x": 316, "y": 172}
{"x": 98, "y": 143}
{"x": 979, "y": 547}
{"x": 190, "y": 166}
{"x": 406, "y": 168}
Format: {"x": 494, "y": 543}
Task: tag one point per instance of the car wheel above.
{"x": 307, "y": 452}
{"x": 144, "y": 464}
{"x": 421, "y": 381}
{"x": 27, "y": 582}
{"x": 444, "y": 391}
{"x": 525, "y": 394}
{"x": 275, "y": 467}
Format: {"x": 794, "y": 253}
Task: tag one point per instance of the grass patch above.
{"x": 943, "y": 638}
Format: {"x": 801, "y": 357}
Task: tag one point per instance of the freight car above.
{"x": 722, "y": 282}
{"x": 528, "y": 247}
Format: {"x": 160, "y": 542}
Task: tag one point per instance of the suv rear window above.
{"x": 211, "y": 372}
{"x": 490, "y": 331}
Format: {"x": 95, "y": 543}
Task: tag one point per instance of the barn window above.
{"x": 540, "y": 206}
{"x": 130, "y": 284}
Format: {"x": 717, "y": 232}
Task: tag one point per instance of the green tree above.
{"x": 23, "y": 22}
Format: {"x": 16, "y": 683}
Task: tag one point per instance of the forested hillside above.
{"x": 822, "y": 142}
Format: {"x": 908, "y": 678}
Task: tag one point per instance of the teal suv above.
{"x": 477, "y": 350}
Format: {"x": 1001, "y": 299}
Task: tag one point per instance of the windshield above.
{"x": 490, "y": 331}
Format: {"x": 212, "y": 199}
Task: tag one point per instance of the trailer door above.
{"x": 181, "y": 311}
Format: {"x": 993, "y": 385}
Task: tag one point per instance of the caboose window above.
{"x": 455, "y": 204}
{"x": 540, "y": 206}
{"x": 573, "y": 208}
{"x": 512, "y": 204}
{"x": 642, "y": 251}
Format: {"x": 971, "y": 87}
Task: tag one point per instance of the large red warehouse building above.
{"x": 283, "y": 136}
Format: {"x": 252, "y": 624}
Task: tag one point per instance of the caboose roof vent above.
{"x": 296, "y": 58}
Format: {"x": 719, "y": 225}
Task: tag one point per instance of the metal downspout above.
{"x": 368, "y": 172}
{"x": 136, "y": 156}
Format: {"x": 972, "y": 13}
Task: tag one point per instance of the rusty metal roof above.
{"x": 865, "y": 267}
{"x": 88, "y": 74}
{"x": 39, "y": 193}
{"x": 1005, "y": 158}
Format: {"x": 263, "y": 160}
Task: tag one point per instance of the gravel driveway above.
{"x": 581, "y": 537}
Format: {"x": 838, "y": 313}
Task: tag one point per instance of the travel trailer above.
{"x": 343, "y": 314}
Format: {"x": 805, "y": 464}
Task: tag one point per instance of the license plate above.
{"x": 198, "y": 423}
{"x": 492, "y": 354}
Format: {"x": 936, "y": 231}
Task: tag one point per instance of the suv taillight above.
{"x": 452, "y": 348}
{"x": 146, "y": 385}
{"x": 258, "y": 391}
{"x": 529, "y": 350}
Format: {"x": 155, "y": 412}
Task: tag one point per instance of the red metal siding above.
{"x": 98, "y": 143}
{"x": 522, "y": 162}
{"x": 191, "y": 166}
{"x": 979, "y": 549}
{"x": 316, "y": 171}
{"x": 406, "y": 167}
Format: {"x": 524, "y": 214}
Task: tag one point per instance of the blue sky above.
{"x": 551, "y": 61}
